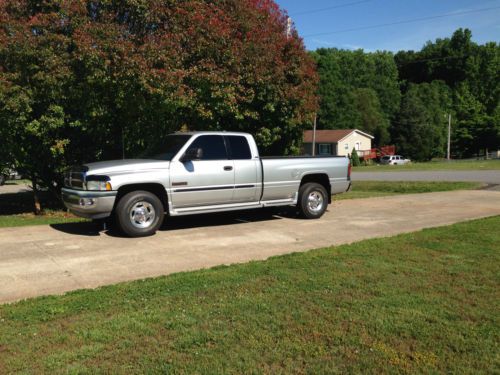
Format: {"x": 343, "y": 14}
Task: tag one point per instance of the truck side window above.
{"x": 212, "y": 145}
{"x": 238, "y": 147}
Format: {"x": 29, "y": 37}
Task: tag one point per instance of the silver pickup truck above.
{"x": 201, "y": 172}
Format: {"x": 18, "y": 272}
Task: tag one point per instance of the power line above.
{"x": 329, "y": 8}
{"x": 402, "y": 22}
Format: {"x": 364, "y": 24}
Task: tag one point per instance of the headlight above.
{"x": 98, "y": 183}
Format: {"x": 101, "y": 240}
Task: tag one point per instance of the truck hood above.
{"x": 126, "y": 166}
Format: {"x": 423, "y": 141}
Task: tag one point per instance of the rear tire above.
{"x": 313, "y": 200}
{"x": 139, "y": 214}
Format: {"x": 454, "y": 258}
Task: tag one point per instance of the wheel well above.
{"x": 319, "y": 178}
{"x": 156, "y": 189}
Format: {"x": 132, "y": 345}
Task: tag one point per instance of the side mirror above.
{"x": 192, "y": 154}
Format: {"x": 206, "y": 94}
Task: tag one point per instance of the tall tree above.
{"x": 472, "y": 72}
{"x": 474, "y": 130}
{"x": 357, "y": 90}
{"x": 371, "y": 118}
{"x": 84, "y": 80}
{"x": 420, "y": 130}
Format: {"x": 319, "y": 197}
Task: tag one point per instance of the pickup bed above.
{"x": 201, "y": 172}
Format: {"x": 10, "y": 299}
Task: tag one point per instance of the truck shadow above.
{"x": 185, "y": 222}
{"x": 225, "y": 218}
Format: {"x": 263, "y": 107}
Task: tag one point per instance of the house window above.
{"x": 325, "y": 149}
{"x": 358, "y": 146}
{"x": 346, "y": 146}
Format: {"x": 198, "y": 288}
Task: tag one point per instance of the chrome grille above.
{"x": 75, "y": 179}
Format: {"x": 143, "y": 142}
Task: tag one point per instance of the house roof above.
{"x": 331, "y": 136}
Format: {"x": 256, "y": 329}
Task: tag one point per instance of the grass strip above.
{"x": 371, "y": 189}
{"x": 47, "y": 218}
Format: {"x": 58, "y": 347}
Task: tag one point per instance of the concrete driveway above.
{"x": 42, "y": 260}
{"x": 11, "y": 187}
{"x": 488, "y": 177}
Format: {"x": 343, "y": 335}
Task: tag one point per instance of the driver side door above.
{"x": 207, "y": 181}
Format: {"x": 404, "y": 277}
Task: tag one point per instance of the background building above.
{"x": 337, "y": 142}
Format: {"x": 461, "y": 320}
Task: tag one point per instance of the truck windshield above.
{"x": 167, "y": 148}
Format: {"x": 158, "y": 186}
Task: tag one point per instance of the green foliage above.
{"x": 87, "y": 80}
{"x": 474, "y": 129}
{"x": 357, "y": 90}
{"x": 472, "y": 72}
{"x": 355, "y": 158}
{"x": 381, "y": 94}
{"x": 420, "y": 130}
{"x": 371, "y": 117}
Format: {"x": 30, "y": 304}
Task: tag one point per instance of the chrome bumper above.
{"x": 89, "y": 204}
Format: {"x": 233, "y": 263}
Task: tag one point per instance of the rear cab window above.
{"x": 238, "y": 148}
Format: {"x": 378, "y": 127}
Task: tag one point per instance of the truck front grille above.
{"x": 75, "y": 178}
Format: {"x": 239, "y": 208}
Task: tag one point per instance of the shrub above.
{"x": 355, "y": 158}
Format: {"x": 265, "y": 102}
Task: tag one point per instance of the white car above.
{"x": 394, "y": 160}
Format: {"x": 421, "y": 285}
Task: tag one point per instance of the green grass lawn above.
{"x": 434, "y": 166}
{"x": 371, "y": 189}
{"x": 425, "y": 302}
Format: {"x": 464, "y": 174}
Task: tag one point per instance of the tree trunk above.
{"x": 37, "y": 208}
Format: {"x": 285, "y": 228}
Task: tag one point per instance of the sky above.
{"x": 330, "y": 23}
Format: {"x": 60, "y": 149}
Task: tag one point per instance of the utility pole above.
{"x": 449, "y": 136}
{"x": 288, "y": 27}
{"x": 314, "y": 136}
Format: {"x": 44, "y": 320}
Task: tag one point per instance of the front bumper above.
{"x": 89, "y": 204}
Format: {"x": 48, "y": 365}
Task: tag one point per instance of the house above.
{"x": 337, "y": 142}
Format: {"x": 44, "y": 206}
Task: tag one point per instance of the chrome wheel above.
{"x": 315, "y": 201}
{"x": 142, "y": 215}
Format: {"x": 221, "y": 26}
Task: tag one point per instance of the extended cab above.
{"x": 201, "y": 172}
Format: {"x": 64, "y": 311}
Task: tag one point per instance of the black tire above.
{"x": 139, "y": 214}
{"x": 2, "y": 179}
{"x": 315, "y": 207}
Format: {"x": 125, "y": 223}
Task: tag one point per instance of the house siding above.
{"x": 365, "y": 143}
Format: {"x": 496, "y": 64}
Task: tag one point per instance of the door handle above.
{"x": 228, "y": 168}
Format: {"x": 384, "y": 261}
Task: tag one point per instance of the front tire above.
{"x": 313, "y": 200}
{"x": 139, "y": 214}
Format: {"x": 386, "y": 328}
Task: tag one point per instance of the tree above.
{"x": 86, "y": 80}
{"x": 357, "y": 90}
{"x": 371, "y": 118}
{"x": 420, "y": 130}
{"x": 474, "y": 131}
{"x": 472, "y": 73}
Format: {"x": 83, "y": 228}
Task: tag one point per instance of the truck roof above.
{"x": 212, "y": 133}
